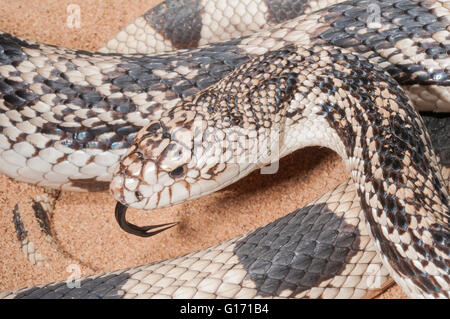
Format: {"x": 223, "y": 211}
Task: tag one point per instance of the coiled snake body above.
{"x": 328, "y": 78}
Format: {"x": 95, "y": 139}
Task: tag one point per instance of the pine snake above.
{"x": 300, "y": 50}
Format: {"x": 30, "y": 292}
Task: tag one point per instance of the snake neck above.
{"x": 388, "y": 152}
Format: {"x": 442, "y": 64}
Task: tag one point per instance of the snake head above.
{"x": 180, "y": 157}
{"x": 154, "y": 167}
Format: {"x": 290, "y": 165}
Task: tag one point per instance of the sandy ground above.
{"x": 86, "y": 233}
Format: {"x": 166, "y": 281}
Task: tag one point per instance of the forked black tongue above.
{"x": 121, "y": 211}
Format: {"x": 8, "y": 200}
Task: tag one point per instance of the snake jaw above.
{"x": 117, "y": 190}
{"x": 120, "y": 213}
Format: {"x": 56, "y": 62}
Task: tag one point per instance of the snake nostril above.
{"x": 178, "y": 172}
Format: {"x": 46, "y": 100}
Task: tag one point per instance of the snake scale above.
{"x": 329, "y": 77}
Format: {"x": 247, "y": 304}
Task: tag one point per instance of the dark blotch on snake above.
{"x": 283, "y": 10}
{"x": 42, "y": 217}
{"x": 302, "y": 260}
{"x": 173, "y": 17}
{"x": 348, "y": 19}
{"x": 19, "y": 227}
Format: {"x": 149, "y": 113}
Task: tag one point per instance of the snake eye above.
{"x": 177, "y": 172}
{"x": 138, "y": 195}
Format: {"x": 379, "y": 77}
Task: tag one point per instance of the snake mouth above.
{"x": 120, "y": 213}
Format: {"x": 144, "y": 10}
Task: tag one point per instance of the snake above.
{"x": 184, "y": 124}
